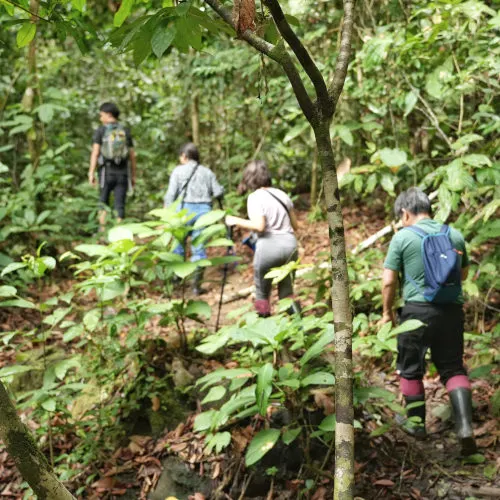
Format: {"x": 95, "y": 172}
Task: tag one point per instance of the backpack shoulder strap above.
{"x": 445, "y": 229}
{"x": 417, "y": 230}
{"x": 277, "y": 199}
{"x": 186, "y": 184}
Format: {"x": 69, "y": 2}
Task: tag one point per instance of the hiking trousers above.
{"x": 196, "y": 210}
{"x": 117, "y": 182}
{"x": 273, "y": 250}
{"x": 443, "y": 334}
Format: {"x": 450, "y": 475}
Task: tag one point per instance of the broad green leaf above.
{"x": 8, "y": 7}
{"x": 410, "y": 101}
{"x": 57, "y": 316}
{"x": 465, "y": 140}
{"x": 120, "y": 233}
{"x": 296, "y": 131}
{"x": 25, "y": 304}
{"x": 49, "y": 404}
{"x": 328, "y": 424}
{"x": 318, "y": 378}
{"x": 198, "y": 308}
{"x": 123, "y": 12}
{"x": 477, "y": 458}
{"x": 45, "y": 112}
{"x": 344, "y": 133}
{"x": 92, "y": 319}
{"x": 13, "y": 266}
{"x": 219, "y": 441}
{"x": 290, "y": 435}
{"x": 78, "y": 4}
{"x": 7, "y": 291}
{"x": 209, "y": 219}
{"x": 317, "y": 348}
{"x": 204, "y": 421}
{"x": 214, "y": 394}
{"x": 387, "y": 182}
{"x": 393, "y": 157}
{"x": 162, "y": 39}
{"x": 183, "y": 269}
{"x": 7, "y": 371}
{"x": 122, "y": 246}
{"x": 93, "y": 250}
{"x": 62, "y": 367}
{"x": 264, "y": 387}
{"x": 220, "y": 242}
{"x": 26, "y": 34}
{"x": 221, "y": 374}
{"x": 49, "y": 262}
{"x": 73, "y": 332}
{"x": 112, "y": 290}
{"x": 407, "y": 326}
{"x": 260, "y": 445}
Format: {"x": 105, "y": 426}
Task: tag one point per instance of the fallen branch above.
{"x": 245, "y": 292}
{"x": 380, "y": 234}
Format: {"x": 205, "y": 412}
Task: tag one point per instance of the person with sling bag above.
{"x": 196, "y": 185}
{"x": 271, "y": 215}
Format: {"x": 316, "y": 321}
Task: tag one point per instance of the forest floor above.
{"x": 390, "y": 465}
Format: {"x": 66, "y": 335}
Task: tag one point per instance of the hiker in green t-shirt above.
{"x": 432, "y": 261}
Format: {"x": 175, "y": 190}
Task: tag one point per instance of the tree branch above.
{"x": 278, "y": 54}
{"x": 17, "y": 6}
{"x": 302, "y": 54}
{"x": 30, "y": 461}
{"x": 344, "y": 53}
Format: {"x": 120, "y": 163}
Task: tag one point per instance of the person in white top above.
{"x": 272, "y": 216}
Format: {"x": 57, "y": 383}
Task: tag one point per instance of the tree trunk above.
{"x": 195, "y": 118}
{"x": 344, "y": 430}
{"x": 314, "y": 178}
{"x": 30, "y": 461}
{"x": 32, "y": 95}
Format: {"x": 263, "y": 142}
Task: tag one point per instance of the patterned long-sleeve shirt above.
{"x": 202, "y": 187}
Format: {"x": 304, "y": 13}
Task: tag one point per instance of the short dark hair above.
{"x": 256, "y": 175}
{"x": 190, "y": 151}
{"x": 111, "y": 108}
{"x": 413, "y": 200}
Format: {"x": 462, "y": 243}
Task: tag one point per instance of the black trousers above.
{"x": 443, "y": 334}
{"x": 116, "y": 182}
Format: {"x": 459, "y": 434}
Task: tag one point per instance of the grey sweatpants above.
{"x": 273, "y": 250}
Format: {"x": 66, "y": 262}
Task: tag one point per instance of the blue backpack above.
{"x": 442, "y": 277}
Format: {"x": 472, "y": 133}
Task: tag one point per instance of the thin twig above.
{"x": 429, "y": 113}
{"x": 461, "y": 117}
{"x": 14, "y": 4}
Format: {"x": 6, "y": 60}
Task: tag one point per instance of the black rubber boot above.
{"x": 461, "y": 403}
{"x": 410, "y": 425}
{"x": 197, "y": 280}
{"x": 294, "y": 309}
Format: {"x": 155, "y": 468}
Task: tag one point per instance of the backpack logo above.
{"x": 114, "y": 147}
{"x": 442, "y": 277}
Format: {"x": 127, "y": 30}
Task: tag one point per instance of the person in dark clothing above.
{"x": 443, "y": 329}
{"x": 113, "y": 152}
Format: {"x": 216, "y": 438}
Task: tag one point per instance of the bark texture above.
{"x": 30, "y": 461}
{"x": 195, "y": 118}
{"x": 32, "y": 95}
{"x": 319, "y": 111}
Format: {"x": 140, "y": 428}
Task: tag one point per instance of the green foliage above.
{"x": 263, "y": 381}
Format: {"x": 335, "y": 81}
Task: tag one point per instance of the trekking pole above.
{"x": 229, "y": 251}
